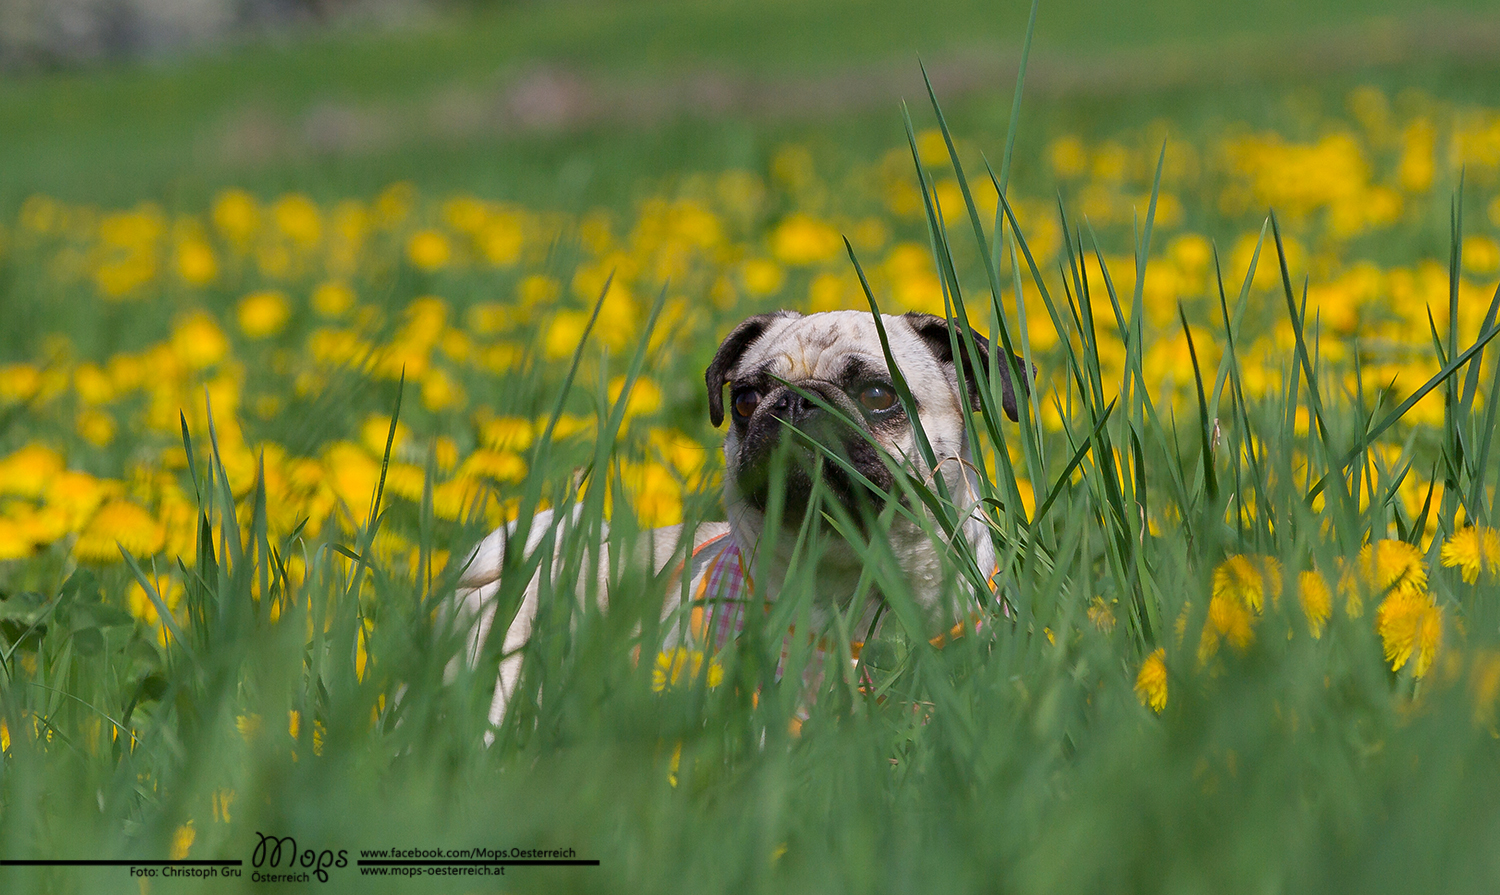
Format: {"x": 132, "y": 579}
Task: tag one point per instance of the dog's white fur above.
{"x": 796, "y": 349}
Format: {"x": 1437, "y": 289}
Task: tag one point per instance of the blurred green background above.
{"x": 572, "y": 103}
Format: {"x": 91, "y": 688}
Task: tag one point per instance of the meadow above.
{"x": 248, "y": 435}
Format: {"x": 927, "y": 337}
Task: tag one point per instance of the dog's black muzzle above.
{"x": 791, "y": 429}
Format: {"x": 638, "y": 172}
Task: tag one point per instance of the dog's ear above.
{"x": 729, "y": 354}
{"x": 934, "y": 331}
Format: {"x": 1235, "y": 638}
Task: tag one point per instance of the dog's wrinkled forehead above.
{"x": 831, "y": 347}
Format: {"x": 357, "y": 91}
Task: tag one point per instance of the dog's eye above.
{"x": 745, "y": 402}
{"x": 877, "y": 398}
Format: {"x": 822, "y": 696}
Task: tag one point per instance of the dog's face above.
{"x": 772, "y": 362}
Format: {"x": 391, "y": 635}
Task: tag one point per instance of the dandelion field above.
{"x": 1247, "y": 522}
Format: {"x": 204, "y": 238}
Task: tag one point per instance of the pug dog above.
{"x": 773, "y": 366}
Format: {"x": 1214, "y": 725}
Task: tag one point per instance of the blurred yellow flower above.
{"x": 1392, "y": 564}
{"x": 454, "y": 500}
{"x": 298, "y": 218}
{"x": 332, "y": 299}
{"x": 236, "y": 215}
{"x": 564, "y": 334}
{"x": 1471, "y": 549}
{"x": 762, "y": 276}
{"x": 501, "y": 240}
{"x": 197, "y": 341}
{"x": 1151, "y": 681}
{"x": 196, "y": 263}
{"x": 14, "y": 543}
{"x": 1408, "y": 622}
{"x": 440, "y": 392}
{"x": 263, "y": 314}
{"x": 96, "y": 427}
{"x": 428, "y": 250}
{"x": 1481, "y": 255}
{"x": 802, "y": 240}
{"x": 1317, "y": 602}
{"x": 1068, "y": 156}
{"x": 28, "y": 470}
{"x": 645, "y": 396}
{"x": 1248, "y": 579}
{"x": 182, "y": 840}
{"x": 507, "y": 433}
{"x": 671, "y": 664}
{"x": 92, "y": 384}
{"x": 19, "y": 382}
{"x": 118, "y": 524}
{"x": 501, "y": 466}
{"x": 144, "y": 608}
{"x": 537, "y": 290}
{"x": 1101, "y": 615}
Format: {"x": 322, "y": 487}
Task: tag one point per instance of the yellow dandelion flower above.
{"x": 182, "y": 840}
{"x": 27, "y": 471}
{"x": 14, "y": 542}
{"x": 762, "y": 276}
{"x": 196, "y": 263}
{"x": 501, "y": 466}
{"x": 1317, "y": 602}
{"x": 333, "y": 299}
{"x": 802, "y": 239}
{"x": 656, "y": 495}
{"x": 236, "y": 215}
{"x": 453, "y": 500}
{"x": 1484, "y": 680}
{"x": 96, "y": 427}
{"x": 19, "y": 382}
{"x": 1230, "y": 620}
{"x": 440, "y": 391}
{"x": 1471, "y": 549}
{"x": 374, "y": 431}
{"x": 489, "y": 318}
{"x": 119, "y": 523}
{"x": 1410, "y": 622}
{"x": 428, "y": 250}
{"x": 445, "y": 452}
{"x": 563, "y": 334}
{"x": 645, "y": 396}
{"x": 1101, "y": 615}
{"x": 197, "y": 341}
{"x": 144, "y": 608}
{"x": 670, "y": 666}
{"x": 1151, "y": 681}
{"x": 1391, "y": 564}
{"x": 568, "y": 425}
{"x": 1248, "y": 579}
{"x": 248, "y": 726}
{"x": 406, "y": 480}
{"x": 92, "y": 384}
{"x": 298, "y": 218}
{"x": 263, "y": 314}
{"x": 222, "y": 799}
{"x": 507, "y": 433}
{"x": 501, "y": 240}
{"x": 1068, "y": 156}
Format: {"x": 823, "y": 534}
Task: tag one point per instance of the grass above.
{"x": 312, "y": 684}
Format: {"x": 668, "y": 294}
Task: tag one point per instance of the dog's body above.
{"x": 784, "y": 371}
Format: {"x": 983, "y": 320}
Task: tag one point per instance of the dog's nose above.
{"x": 793, "y": 408}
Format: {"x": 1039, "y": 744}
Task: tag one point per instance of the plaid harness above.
{"x": 720, "y": 589}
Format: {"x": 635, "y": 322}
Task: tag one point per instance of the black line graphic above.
{"x": 114, "y": 863}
